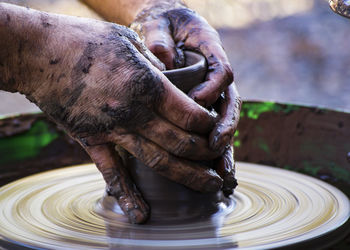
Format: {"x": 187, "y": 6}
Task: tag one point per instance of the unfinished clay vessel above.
{"x": 168, "y": 200}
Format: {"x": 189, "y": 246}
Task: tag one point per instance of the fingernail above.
{"x": 213, "y": 185}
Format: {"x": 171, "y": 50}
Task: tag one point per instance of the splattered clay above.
{"x": 63, "y": 209}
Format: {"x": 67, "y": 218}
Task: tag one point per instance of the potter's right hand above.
{"x": 96, "y": 80}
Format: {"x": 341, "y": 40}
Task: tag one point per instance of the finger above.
{"x": 219, "y": 75}
{"x": 200, "y": 36}
{"x": 182, "y": 111}
{"x": 185, "y": 172}
{"x": 230, "y": 106}
{"x": 225, "y": 167}
{"x": 119, "y": 183}
{"x": 176, "y": 141}
{"x": 159, "y": 40}
{"x": 194, "y": 32}
{"x": 149, "y": 56}
{"x": 136, "y": 41}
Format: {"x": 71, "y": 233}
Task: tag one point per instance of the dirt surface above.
{"x": 300, "y": 57}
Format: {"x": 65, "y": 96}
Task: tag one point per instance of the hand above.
{"x": 96, "y": 80}
{"x": 229, "y": 106}
{"x": 166, "y": 33}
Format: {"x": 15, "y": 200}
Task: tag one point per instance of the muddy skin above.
{"x": 85, "y": 62}
{"x": 193, "y": 32}
{"x": 157, "y": 10}
{"x": 44, "y": 17}
{"x": 75, "y": 94}
{"x": 81, "y": 125}
{"x": 225, "y": 167}
{"x": 8, "y": 85}
{"x": 61, "y": 76}
{"x": 153, "y": 13}
{"x": 117, "y": 188}
{"x": 129, "y": 52}
{"x": 101, "y": 90}
{"x": 18, "y": 45}
{"x": 179, "y": 18}
{"x": 196, "y": 177}
{"x": 127, "y": 117}
{"x": 186, "y": 147}
{"x": 190, "y": 31}
{"x": 119, "y": 183}
{"x": 191, "y": 174}
{"x": 229, "y": 105}
{"x": 54, "y": 61}
{"x": 144, "y": 94}
{"x": 122, "y": 31}
{"x": 183, "y": 149}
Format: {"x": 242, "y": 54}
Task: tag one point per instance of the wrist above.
{"x": 155, "y": 8}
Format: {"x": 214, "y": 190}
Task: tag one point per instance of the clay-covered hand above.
{"x": 168, "y": 28}
{"x": 229, "y": 106}
{"x": 97, "y": 81}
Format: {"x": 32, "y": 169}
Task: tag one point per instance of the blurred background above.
{"x": 294, "y": 51}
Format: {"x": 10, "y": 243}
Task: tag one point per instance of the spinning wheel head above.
{"x": 63, "y": 209}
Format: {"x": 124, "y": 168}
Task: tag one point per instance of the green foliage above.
{"x": 27, "y": 144}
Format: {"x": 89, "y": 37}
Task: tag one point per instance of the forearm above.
{"x": 125, "y": 11}
{"x": 19, "y": 33}
{"x": 34, "y": 45}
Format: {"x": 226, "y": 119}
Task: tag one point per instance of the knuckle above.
{"x": 114, "y": 187}
{"x": 190, "y": 180}
{"x": 125, "y": 31}
{"x": 154, "y": 160}
{"x": 140, "y": 95}
{"x": 144, "y": 82}
{"x": 190, "y": 119}
{"x": 146, "y": 87}
{"x": 228, "y": 73}
{"x": 88, "y": 141}
{"x": 128, "y": 116}
{"x": 159, "y": 47}
{"x": 184, "y": 146}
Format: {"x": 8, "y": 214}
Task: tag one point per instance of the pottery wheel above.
{"x": 61, "y": 209}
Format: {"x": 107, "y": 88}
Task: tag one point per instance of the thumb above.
{"x": 159, "y": 41}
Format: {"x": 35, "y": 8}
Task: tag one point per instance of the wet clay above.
{"x": 65, "y": 209}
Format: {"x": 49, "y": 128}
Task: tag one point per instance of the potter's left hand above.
{"x": 168, "y": 28}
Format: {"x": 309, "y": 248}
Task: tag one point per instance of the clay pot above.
{"x": 168, "y": 200}
{"x": 191, "y": 75}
